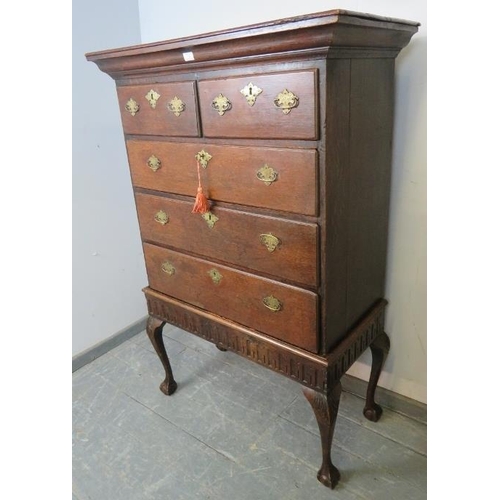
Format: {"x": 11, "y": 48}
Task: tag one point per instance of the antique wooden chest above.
{"x": 282, "y": 132}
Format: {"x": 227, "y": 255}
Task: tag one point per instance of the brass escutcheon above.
{"x": 203, "y": 158}
{"x": 132, "y": 107}
{"x": 221, "y": 104}
{"x": 251, "y": 92}
{"x": 286, "y": 100}
{"x": 154, "y": 163}
{"x": 267, "y": 174}
{"x": 210, "y": 219}
{"x": 176, "y": 106}
{"x": 152, "y": 96}
{"x": 272, "y": 303}
{"x": 215, "y": 275}
{"x": 161, "y": 217}
{"x": 168, "y": 268}
{"x": 269, "y": 241}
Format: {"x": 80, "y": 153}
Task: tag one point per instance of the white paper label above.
{"x": 188, "y": 56}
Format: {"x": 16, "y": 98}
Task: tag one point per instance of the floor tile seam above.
{"x": 289, "y": 405}
{"x": 381, "y": 434}
{"x": 144, "y": 349}
{"x": 236, "y": 367}
{"x": 300, "y": 426}
{"x": 128, "y": 433}
{"x": 89, "y": 400}
{"x": 239, "y": 405}
{"x": 314, "y": 468}
{"x": 182, "y": 429}
{"x": 377, "y": 466}
{"x": 222, "y": 394}
{"x": 347, "y": 451}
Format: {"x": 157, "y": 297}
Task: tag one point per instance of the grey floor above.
{"x": 233, "y": 430}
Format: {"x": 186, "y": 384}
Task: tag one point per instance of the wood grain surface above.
{"x": 231, "y": 174}
{"x": 264, "y": 119}
{"x": 160, "y": 120}
{"x": 235, "y": 238}
{"x": 239, "y": 296}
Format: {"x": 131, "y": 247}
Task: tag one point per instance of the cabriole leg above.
{"x": 380, "y": 348}
{"x": 154, "y": 330}
{"x": 325, "y": 407}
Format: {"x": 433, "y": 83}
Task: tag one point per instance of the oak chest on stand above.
{"x": 286, "y": 128}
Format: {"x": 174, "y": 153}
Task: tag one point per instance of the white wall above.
{"x": 108, "y": 268}
{"x": 405, "y": 370}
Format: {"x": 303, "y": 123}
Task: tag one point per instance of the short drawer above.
{"x": 285, "y": 249}
{"x": 159, "y": 109}
{"x": 281, "y": 311}
{"x": 266, "y": 106}
{"x": 275, "y": 178}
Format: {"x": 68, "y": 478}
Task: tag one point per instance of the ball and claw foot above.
{"x": 329, "y": 475}
{"x": 168, "y": 388}
{"x": 380, "y": 348}
{"x": 372, "y": 413}
{"x": 154, "y": 330}
{"x": 325, "y": 407}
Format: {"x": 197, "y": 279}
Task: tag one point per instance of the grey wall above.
{"x": 405, "y": 370}
{"x": 108, "y": 269}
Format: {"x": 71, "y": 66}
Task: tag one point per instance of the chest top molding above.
{"x": 339, "y": 29}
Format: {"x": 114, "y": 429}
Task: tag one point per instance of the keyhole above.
{"x": 250, "y": 91}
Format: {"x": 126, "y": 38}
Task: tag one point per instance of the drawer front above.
{"x": 275, "y": 178}
{"x": 285, "y": 249}
{"x": 159, "y": 109}
{"x": 276, "y": 106}
{"x": 282, "y": 311}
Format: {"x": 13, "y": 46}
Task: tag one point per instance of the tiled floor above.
{"x": 233, "y": 430}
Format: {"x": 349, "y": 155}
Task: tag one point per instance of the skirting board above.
{"x": 103, "y": 347}
{"x": 388, "y": 399}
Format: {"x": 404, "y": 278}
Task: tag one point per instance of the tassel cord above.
{"x": 201, "y": 203}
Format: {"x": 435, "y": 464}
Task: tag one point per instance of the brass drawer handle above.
{"x": 168, "y": 268}
{"x": 161, "y": 217}
{"x": 221, "y": 104}
{"x": 176, "y": 106}
{"x": 215, "y": 275}
{"x": 286, "y": 101}
{"x": 202, "y": 157}
{"x": 154, "y": 163}
{"x": 270, "y": 241}
{"x": 152, "y": 97}
{"x": 272, "y": 303}
{"x": 251, "y": 92}
{"x": 132, "y": 107}
{"x": 267, "y": 175}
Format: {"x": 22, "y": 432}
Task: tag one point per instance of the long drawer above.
{"x": 279, "y": 247}
{"x": 281, "y": 311}
{"x": 275, "y": 178}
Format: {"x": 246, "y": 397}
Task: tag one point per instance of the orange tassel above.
{"x": 201, "y": 205}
